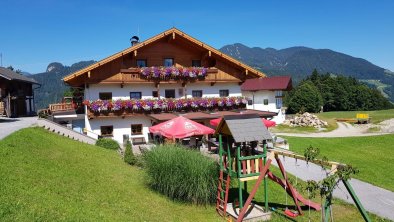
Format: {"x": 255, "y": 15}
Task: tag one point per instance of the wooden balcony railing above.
{"x": 134, "y": 75}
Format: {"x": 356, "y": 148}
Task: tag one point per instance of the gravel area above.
{"x": 349, "y": 130}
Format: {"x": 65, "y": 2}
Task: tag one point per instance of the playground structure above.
{"x": 238, "y": 159}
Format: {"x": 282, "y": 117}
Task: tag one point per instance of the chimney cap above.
{"x": 134, "y": 38}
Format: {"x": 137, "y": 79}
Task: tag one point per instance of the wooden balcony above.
{"x": 133, "y": 75}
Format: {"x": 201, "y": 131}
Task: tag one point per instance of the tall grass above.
{"x": 182, "y": 174}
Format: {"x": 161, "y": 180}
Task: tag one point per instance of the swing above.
{"x": 288, "y": 212}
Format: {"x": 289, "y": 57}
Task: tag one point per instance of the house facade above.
{"x": 155, "y": 80}
{"x": 16, "y": 94}
{"x": 267, "y": 94}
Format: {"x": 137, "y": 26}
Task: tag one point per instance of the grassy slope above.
{"x": 47, "y": 177}
{"x": 372, "y": 155}
{"x": 51, "y": 178}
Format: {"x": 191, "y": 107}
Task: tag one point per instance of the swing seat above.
{"x": 290, "y": 213}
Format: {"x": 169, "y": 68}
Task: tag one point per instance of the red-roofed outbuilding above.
{"x": 268, "y": 83}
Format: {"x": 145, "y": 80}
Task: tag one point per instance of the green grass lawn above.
{"x": 372, "y": 155}
{"x": 376, "y": 117}
{"x": 45, "y": 177}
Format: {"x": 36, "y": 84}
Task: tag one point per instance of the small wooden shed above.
{"x": 16, "y": 94}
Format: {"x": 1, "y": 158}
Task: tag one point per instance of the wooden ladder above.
{"x": 222, "y": 195}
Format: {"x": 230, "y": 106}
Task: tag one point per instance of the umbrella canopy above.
{"x": 180, "y": 127}
{"x": 267, "y": 123}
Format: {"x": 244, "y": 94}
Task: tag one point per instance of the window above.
{"x": 279, "y": 93}
{"x": 141, "y": 63}
{"x": 265, "y": 101}
{"x": 170, "y": 93}
{"x": 168, "y": 62}
{"x": 107, "y": 130}
{"x": 197, "y": 93}
{"x": 278, "y": 102}
{"x": 250, "y": 102}
{"x": 196, "y": 63}
{"x": 105, "y": 95}
{"x": 136, "y": 129}
{"x": 223, "y": 93}
{"x": 155, "y": 94}
{"x": 135, "y": 95}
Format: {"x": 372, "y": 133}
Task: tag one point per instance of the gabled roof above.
{"x": 172, "y": 31}
{"x": 268, "y": 83}
{"x": 244, "y": 128}
{"x": 11, "y": 75}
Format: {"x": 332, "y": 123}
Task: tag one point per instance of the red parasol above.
{"x": 180, "y": 127}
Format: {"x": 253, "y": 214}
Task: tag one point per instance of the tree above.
{"x": 306, "y": 98}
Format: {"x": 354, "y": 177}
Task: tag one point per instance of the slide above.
{"x": 300, "y": 198}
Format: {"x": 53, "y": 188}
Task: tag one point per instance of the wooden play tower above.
{"x": 243, "y": 156}
{"x": 239, "y": 137}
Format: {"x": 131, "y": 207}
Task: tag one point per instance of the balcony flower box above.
{"x": 119, "y": 107}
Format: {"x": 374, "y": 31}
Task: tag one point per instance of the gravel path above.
{"x": 344, "y": 130}
{"x": 10, "y": 125}
{"x": 374, "y": 199}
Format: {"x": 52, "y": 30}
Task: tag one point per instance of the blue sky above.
{"x": 35, "y": 33}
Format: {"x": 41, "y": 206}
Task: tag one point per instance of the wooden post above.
{"x": 184, "y": 89}
{"x": 239, "y": 178}
{"x": 9, "y": 105}
{"x": 265, "y": 178}
{"x": 158, "y": 90}
{"x": 288, "y": 185}
{"x": 356, "y": 200}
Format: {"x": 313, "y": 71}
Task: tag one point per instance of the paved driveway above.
{"x": 10, "y": 125}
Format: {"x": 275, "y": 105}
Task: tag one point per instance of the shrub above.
{"x": 107, "y": 143}
{"x": 306, "y": 98}
{"x": 128, "y": 155}
{"x": 182, "y": 174}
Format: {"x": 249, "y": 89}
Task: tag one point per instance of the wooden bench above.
{"x": 138, "y": 140}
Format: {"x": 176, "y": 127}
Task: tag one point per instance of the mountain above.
{"x": 52, "y": 86}
{"x": 299, "y": 62}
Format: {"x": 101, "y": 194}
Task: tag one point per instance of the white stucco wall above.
{"x": 92, "y": 93}
{"x": 258, "y": 104}
{"x": 121, "y": 126}
{"x": 213, "y": 91}
{"x": 259, "y": 97}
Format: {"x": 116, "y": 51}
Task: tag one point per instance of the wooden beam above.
{"x": 135, "y": 53}
{"x": 184, "y": 89}
{"x": 89, "y": 74}
{"x": 157, "y": 85}
{"x": 209, "y": 53}
{"x": 173, "y": 35}
{"x": 299, "y": 157}
{"x": 246, "y": 71}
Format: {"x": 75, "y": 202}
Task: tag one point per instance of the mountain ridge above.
{"x": 300, "y": 61}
